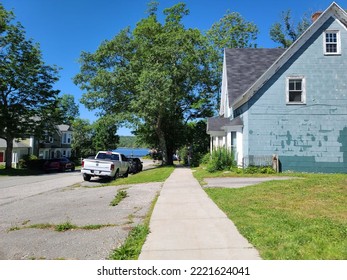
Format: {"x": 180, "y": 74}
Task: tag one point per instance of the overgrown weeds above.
{"x": 131, "y": 248}
{"x": 61, "y": 227}
{"x": 121, "y": 194}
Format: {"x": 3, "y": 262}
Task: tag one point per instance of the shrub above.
{"x": 25, "y": 162}
{"x": 183, "y": 155}
{"x": 257, "y": 170}
{"x": 205, "y": 159}
{"x": 221, "y": 159}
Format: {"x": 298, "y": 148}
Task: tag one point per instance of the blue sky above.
{"x": 64, "y": 28}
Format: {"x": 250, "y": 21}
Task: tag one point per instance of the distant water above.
{"x": 133, "y": 152}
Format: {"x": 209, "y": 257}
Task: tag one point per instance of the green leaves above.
{"x": 27, "y": 97}
{"x": 232, "y": 31}
{"x": 157, "y": 76}
{"x": 287, "y": 32}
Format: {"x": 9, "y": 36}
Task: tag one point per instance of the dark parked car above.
{"x": 135, "y": 165}
{"x": 59, "y": 164}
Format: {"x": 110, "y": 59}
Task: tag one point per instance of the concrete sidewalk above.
{"x": 187, "y": 225}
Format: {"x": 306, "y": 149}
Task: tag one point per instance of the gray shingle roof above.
{"x": 245, "y": 66}
{"x": 15, "y": 144}
{"x": 217, "y": 123}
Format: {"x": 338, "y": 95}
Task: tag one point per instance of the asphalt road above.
{"x": 59, "y": 198}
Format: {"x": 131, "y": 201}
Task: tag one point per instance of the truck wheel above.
{"x": 126, "y": 174}
{"x": 116, "y": 175}
{"x": 86, "y": 177}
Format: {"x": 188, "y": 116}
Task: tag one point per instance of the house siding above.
{"x": 310, "y": 137}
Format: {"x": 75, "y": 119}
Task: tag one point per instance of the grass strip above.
{"x": 159, "y": 174}
{"x": 121, "y": 194}
{"x": 62, "y": 227}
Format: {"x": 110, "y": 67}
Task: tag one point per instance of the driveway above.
{"x": 28, "y": 204}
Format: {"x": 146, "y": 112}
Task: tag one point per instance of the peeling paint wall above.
{"x": 310, "y": 137}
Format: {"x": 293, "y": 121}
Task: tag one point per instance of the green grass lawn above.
{"x": 303, "y": 218}
{"x": 159, "y": 174}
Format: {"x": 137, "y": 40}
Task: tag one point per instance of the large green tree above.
{"x": 157, "y": 77}
{"x": 82, "y": 132}
{"x": 27, "y": 97}
{"x": 68, "y": 108}
{"x": 90, "y": 138}
{"x": 105, "y": 134}
{"x": 231, "y": 31}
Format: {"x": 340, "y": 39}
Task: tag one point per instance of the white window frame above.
{"x": 338, "y": 42}
{"x": 303, "y": 90}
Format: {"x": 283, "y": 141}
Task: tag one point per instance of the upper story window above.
{"x": 48, "y": 139}
{"x": 295, "y": 90}
{"x": 66, "y": 138}
{"x": 332, "y": 43}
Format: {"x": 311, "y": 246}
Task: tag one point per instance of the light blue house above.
{"x": 289, "y": 104}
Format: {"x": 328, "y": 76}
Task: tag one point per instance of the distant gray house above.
{"x": 56, "y": 144}
{"x": 289, "y": 103}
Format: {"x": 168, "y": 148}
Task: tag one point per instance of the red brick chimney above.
{"x": 315, "y": 16}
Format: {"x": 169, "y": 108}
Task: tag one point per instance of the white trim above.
{"x": 224, "y": 104}
{"x": 239, "y": 147}
{"x": 303, "y": 90}
{"x": 338, "y": 42}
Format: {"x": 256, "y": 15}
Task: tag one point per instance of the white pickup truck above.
{"x": 106, "y": 164}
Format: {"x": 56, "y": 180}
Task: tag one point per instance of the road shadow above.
{"x": 30, "y": 172}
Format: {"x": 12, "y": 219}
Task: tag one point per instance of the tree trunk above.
{"x": 169, "y": 152}
{"x": 8, "y": 153}
{"x": 162, "y": 143}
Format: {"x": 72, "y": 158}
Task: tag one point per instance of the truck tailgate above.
{"x": 97, "y": 165}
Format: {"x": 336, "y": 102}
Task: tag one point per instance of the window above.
{"x": 296, "y": 93}
{"x": 332, "y": 42}
{"x": 66, "y": 138}
{"x": 48, "y": 138}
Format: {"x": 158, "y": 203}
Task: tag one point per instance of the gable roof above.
{"x": 64, "y": 127}
{"x": 245, "y": 66}
{"x": 333, "y": 10}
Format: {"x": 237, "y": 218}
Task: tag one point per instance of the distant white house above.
{"x": 21, "y": 147}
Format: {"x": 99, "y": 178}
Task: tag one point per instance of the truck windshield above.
{"x": 107, "y": 156}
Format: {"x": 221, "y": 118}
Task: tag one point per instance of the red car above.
{"x": 59, "y": 164}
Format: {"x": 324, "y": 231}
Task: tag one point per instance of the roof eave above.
{"x": 216, "y": 133}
